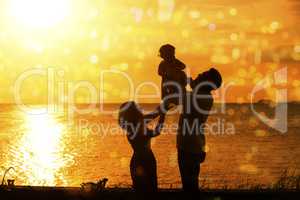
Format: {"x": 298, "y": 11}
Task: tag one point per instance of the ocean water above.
{"x": 61, "y": 149}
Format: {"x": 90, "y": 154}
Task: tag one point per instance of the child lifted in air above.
{"x": 174, "y": 79}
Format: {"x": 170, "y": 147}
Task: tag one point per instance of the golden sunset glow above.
{"x": 246, "y": 41}
{"x": 39, "y": 13}
{"x": 66, "y": 66}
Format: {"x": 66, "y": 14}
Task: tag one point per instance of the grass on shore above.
{"x": 288, "y": 180}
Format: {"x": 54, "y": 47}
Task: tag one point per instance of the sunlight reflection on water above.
{"x": 46, "y": 151}
{"x": 37, "y": 155}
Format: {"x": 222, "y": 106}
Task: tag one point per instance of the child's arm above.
{"x": 161, "y": 69}
{"x": 180, "y": 65}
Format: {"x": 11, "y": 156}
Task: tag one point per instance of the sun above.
{"x": 39, "y": 13}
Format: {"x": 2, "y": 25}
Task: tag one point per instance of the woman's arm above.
{"x": 150, "y": 116}
{"x": 159, "y": 110}
{"x": 158, "y": 128}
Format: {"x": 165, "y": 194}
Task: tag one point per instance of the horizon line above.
{"x": 120, "y": 102}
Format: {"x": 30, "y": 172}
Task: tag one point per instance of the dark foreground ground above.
{"x": 57, "y": 193}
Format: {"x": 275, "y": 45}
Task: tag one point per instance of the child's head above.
{"x": 209, "y": 80}
{"x": 167, "y": 52}
{"x": 129, "y": 115}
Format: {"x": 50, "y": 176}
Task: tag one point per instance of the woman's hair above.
{"x": 129, "y": 115}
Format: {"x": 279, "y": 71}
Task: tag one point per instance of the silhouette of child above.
{"x": 143, "y": 163}
{"x": 174, "y": 79}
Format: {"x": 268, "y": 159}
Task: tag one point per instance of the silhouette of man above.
{"x": 190, "y": 136}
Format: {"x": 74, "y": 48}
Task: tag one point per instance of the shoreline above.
{"x": 44, "y": 193}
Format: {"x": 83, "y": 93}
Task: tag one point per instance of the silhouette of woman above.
{"x": 143, "y": 163}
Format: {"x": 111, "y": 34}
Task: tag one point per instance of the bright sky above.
{"x": 246, "y": 40}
